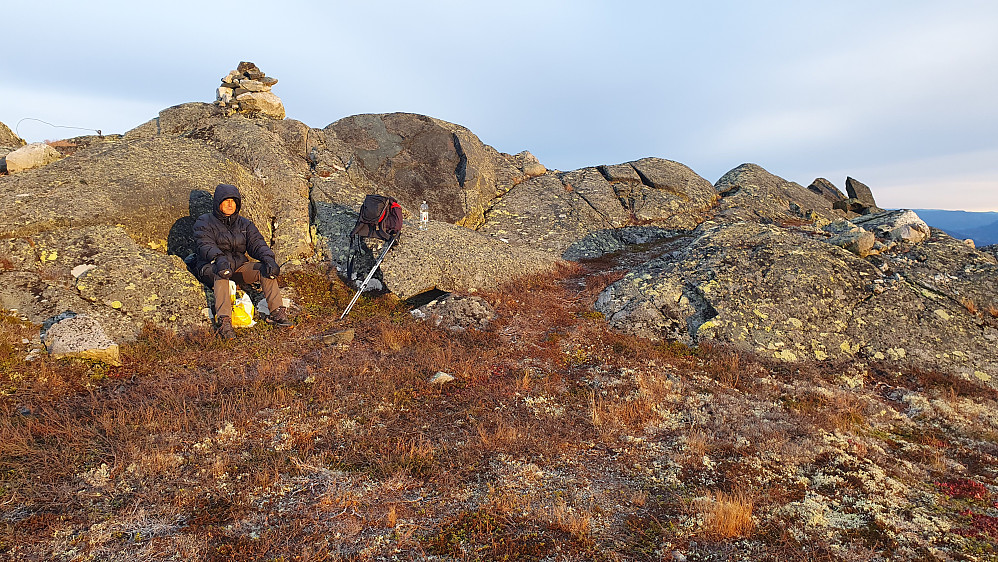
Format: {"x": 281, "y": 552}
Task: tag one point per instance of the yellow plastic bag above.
{"x": 242, "y": 308}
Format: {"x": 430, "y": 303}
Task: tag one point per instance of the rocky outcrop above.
{"x": 826, "y": 189}
{"x": 578, "y": 214}
{"x": 860, "y": 200}
{"x": 9, "y": 142}
{"x": 417, "y": 158}
{"x": 661, "y": 192}
{"x": 176, "y": 120}
{"x": 750, "y": 193}
{"x": 248, "y": 90}
{"x": 34, "y": 155}
{"x": 791, "y": 295}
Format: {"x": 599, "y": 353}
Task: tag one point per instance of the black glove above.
{"x": 223, "y": 268}
{"x": 270, "y": 269}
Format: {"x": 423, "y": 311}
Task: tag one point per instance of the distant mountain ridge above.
{"x": 982, "y": 227}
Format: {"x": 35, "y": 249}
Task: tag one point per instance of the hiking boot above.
{"x": 225, "y": 329}
{"x": 280, "y": 318}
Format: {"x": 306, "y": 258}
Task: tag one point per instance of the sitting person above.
{"x": 223, "y": 239}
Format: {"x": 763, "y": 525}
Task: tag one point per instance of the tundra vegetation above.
{"x": 559, "y": 439}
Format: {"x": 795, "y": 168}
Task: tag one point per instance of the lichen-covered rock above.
{"x": 123, "y": 285}
{"x": 416, "y": 158}
{"x": 82, "y": 337}
{"x": 34, "y": 155}
{"x": 790, "y": 295}
{"x": 750, "y": 193}
{"x": 145, "y": 185}
{"x": 858, "y": 241}
{"x": 553, "y": 211}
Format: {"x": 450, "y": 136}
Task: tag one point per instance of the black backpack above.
{"x": 380, "y": 217}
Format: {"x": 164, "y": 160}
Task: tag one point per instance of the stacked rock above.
{"x": 247, "y": 90}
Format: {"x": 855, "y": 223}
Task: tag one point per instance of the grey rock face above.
{"x": 417, "y": 158}
{"x": 826, "y": 189}
{"x": 750, "y": 193}
{"x": 551, "y": 212}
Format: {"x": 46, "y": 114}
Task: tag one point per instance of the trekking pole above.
{"x": 369, "y": 276}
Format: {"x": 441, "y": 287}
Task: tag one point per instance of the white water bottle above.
{"x": 424, "y": 215}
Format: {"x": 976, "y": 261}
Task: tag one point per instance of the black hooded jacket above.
{"x": 231, "y": 236}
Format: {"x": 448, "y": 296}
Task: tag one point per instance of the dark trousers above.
{"x": 247, "y": 273}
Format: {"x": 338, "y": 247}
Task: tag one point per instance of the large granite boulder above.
{"x": 34, "y": 155}
{"x": 788, "y": 294}
{"x": 750, "y": 193}
{"x": 446, "y": 257}
{"x": 416, "y": 158}
{"x": 860, "y": 191}
{"x": 553, "y": 211}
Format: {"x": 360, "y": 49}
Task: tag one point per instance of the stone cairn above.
{"x": 247, "y": 90}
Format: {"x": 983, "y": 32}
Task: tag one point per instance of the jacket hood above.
{"x": 222, "y": 192}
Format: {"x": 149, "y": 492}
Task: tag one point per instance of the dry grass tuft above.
{"x": 969, "y": 305}
{"x": 726, "y": 515}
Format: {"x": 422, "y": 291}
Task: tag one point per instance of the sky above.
{"x": 901, "y": 95}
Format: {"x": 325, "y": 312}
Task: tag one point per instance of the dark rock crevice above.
{"x": 461, "y": 171}
{"x": 703, "y": 310}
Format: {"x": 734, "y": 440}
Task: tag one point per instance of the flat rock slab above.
{"x": 82, "y": 337}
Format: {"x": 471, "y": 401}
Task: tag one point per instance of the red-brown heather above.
{"x": 558, "y": 440}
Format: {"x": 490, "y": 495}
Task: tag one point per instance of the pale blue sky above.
{"x": 898, "y": 94}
